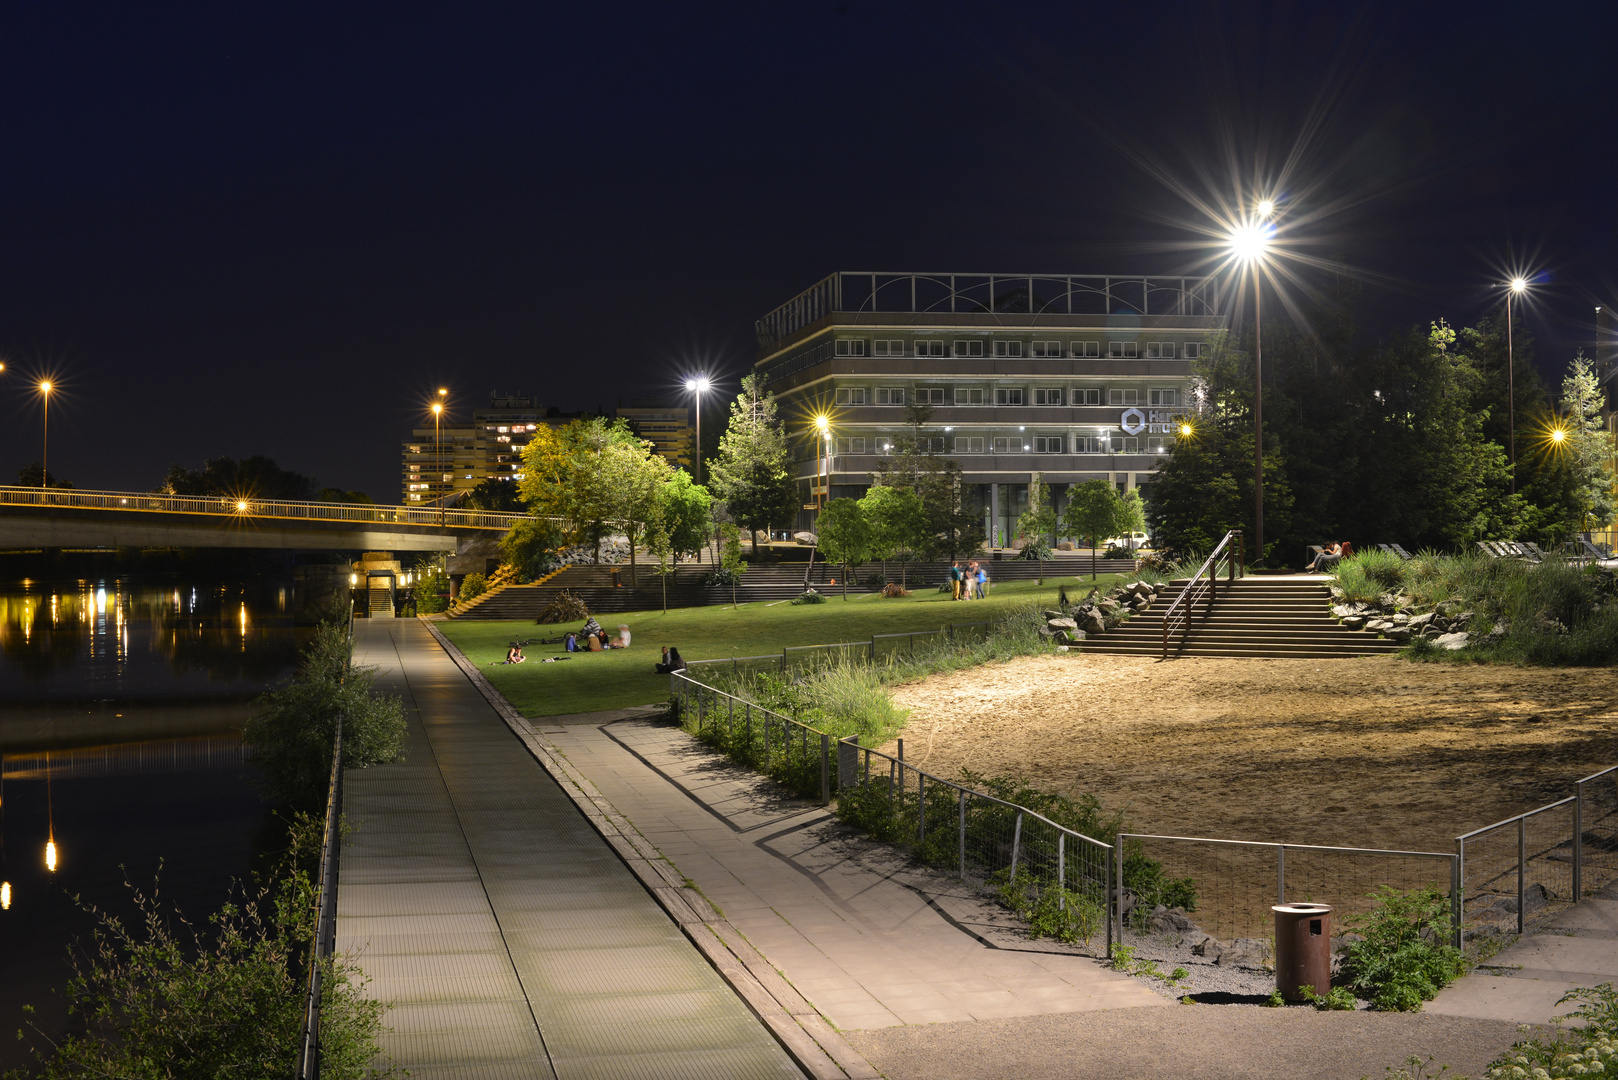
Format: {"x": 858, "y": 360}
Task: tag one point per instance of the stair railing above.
{"x": 1205, "y": 582}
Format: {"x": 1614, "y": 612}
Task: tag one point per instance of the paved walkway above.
{"x": 508, "y": 938}
{"x": 1524, "y": 982}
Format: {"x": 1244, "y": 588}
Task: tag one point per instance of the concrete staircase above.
{"x": 1279, "y": 617}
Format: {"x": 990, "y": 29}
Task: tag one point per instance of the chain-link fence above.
{"x": 1226, "y": 887}
{"x": 778, "y": 746}
{"x": 877, "y": 647}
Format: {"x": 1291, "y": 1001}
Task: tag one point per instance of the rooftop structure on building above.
{"x": 1074, "y": 377}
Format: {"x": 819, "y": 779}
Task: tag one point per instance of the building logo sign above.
{"x": 1132, "y": 421}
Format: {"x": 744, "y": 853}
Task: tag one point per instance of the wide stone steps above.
{"x": 1252, "y": 617}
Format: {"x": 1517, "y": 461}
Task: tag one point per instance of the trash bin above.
{"x": 1302, "y": 948}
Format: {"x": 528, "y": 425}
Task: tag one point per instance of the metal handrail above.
{"x": 1208, "y": 575}
{"x": 247, "y": 508}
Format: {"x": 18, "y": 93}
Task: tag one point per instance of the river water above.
{"x": 121, "y": 705}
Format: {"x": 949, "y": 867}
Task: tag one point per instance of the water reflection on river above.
{"x": 121, "y": 704}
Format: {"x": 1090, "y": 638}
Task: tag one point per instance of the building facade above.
{"x": 462, "y": 456}
{"x": 1072, "y": 377}
{"x": 667, "y": 427}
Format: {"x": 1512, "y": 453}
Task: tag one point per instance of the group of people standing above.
{"x": 970, "y": 582}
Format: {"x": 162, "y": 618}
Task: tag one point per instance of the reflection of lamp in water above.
{"x": 50, "y": 818}
{"x": 5, "y": 896}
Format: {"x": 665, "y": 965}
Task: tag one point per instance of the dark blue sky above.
{"x": 230, "y": 229}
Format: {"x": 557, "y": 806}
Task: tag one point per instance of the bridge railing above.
{"x": 248, "y": 508}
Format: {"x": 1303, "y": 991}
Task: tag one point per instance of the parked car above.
{"x": 1130, "y": 541}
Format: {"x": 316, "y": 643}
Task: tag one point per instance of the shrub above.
{"x": 1036, "y": 548}
{"x": 1403, "y": 959}
{"x": 532, "y": 547}
{"x": 292, "y": 732}
{"x": 809, "y": 596}
{"x": 1597, "y": 1011}
{"x": 892, "y": 589}
{"x": 723, "y": 576}
{"x": 473, "y": 586}
{"x": 431, "y": 588}
{"x": 1050, "y": 910}
{"x": 226, "y": 1002}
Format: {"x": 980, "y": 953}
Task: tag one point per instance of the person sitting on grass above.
{"x": 514, "y": 654}
{"x": 672, "y": 661}
{"x": 623, "y": 637}
{"x": 591, "y": 628}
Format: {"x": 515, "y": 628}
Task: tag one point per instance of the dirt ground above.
{"x": 1372, "y": 752}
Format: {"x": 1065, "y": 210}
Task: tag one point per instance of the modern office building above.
{"x": 1075, "y": 377}
{"x": 463, "y": 455}
{"x": 668, "y": 427}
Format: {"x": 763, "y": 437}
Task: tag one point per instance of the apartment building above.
{"x": 667, "y": 427}
{"x": 1075, "y": 377}
{"x": 462, "y": 455}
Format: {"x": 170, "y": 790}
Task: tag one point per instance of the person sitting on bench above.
{"x": 1328, "y": 555}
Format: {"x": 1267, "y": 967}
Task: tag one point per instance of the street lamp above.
{"x": 698, "y": 384}
{"x": 1514, "y": 287}
{"x": 438, "y": 455}
{"x": 823, "y": 425}
{"x": 1249, "y": 244}
{"x": 45, "y": 454}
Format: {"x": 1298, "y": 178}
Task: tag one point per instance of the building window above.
{"x": 1192, "y": 350}
{"x": 502, "y": 438}
{"x": 851, "y": 395}
{"x": 1131, "y": 445}
{"x": 1049, "y": 396}
{"x": 850, "y": 346}
{"x": 887, "y": 347}
{"x": 929, "y": 348}
{"x": 1046, "y": 348}
{"x": 1050, "y": 444}
{"x": 1121, "y": 350}
{"x": 933, "y": 445}
{"x": 1008, "y": 348}
{"x": 1008, "y": 395}
{"x": 1089, "y": 444}
{"x": 1087, "y": 396}
{"x": 929, "y": 395}
{"x": 1156, "y": 445}
{"x": 851, "y": 445}
{"x": 1086, "y": 348}
{"x": 972, "y": 445}
{"x": 1165, "y": 397}
{"x": 973, "y": 347}
{"x": 1160, "y": 350}
{"x": 890, "y": 395}
{"x": 1004, "y": 445}
{"x": 1123, "y": 397}
{"x": 969, "y": 395}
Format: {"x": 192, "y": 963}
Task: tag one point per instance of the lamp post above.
{"x": 1515, "y": 286}
{"x": 823, "y": 426}
{"x": 698, "y": 385}
{"x": 1249, "y": 243}
{"x": 45, "y": 453}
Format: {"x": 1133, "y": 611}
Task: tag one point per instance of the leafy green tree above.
{"x": 730, "y": 557}
{"x": 1039, "y": 520}
{"x": 845, "y": 535}
{"x": 256, "y": 477}
{"x": 495, "y": 496}
{"x": 954, "y": 518}
{"x": 35, "y": 475}
{"x": 1133, "y": 516}
{"x": 338, "y": 495}
{"x": 898, "y": 523}
{"x": 529, "y": 547}
{"x": 431, "y": 587}
{"x": 1589, "y": 447}
{"x": 753, "y": 470}
{"x": 686, "y": 513}
{"x": 1094, "y": 510}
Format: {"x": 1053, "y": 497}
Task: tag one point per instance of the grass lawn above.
{"x": 615, "y": 679}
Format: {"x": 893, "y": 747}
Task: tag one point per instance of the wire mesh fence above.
{"x": 795, "y": 754}
{"x": 1227, "y": 887}
{"x": 878, "y": 647}
{"x": 1598, "y": 831}
{"x": 1519, "y": 873}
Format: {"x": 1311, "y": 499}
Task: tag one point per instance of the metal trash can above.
{"x": 1302, "y": 948}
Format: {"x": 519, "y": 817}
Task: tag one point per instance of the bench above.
{"x": 1511, "y": 549}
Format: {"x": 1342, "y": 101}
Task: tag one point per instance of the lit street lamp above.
{"x": 45, "y": 454}
{"x": 438, "y": 453}
{"x": 1515, "y": 286}
{"x": 1249, "y": 244}
{"x": 822, "y": 471}
{"x": 698, "y": 385}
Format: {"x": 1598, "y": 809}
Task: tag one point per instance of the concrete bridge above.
{"x": 34, "y": 517}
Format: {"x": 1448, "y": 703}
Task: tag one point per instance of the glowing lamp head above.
{"x": 698, "y": 384}
{"x": 241, "y": 506}
{"x": 1518, "y": 284}
{"x": 442, "y": 391}
{"x": 5, "y": 896}
{"x": 1558, "y": 435}
{"x": 1185, "y": 429}
{"x": 45, "y": 387}
{"x": 1266, "y": 208}
{"x": 822, "y": 423}
{"x": 1249, "y": 242}
{"x": 437, "y": 408}
{"x": 50, "y": 855}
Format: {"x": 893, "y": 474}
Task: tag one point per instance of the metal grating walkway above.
{"x": 507, "y": 937}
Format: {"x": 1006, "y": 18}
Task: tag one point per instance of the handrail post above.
{"x": 1061, "y": 871}
{"x": 1455, "y": 898}
{"x": 1105, "y": 889}
{"x": 1280, "y": 873}
{"x": 1016, "y": 842}
{"x": 1578, "y": 841}
{"x": 963, "y": 833}
{"x": 1522, "y": 869}
{"x": 1118, "y": 884}
{"x": 825, "y": 769}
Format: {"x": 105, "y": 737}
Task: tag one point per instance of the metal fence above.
{"x": 245, "y": 507}
{"x": 877, "y": 647}
{"x": 1234, "y": 882}
{"x": 779, "y": 746}
{"x": 1524, "y": 871}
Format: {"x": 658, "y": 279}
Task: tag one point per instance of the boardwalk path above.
{"x": 507, "y": 936}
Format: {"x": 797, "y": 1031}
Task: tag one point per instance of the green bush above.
{"x": 225, "y": 999}
{"x": 1596, "y": 1011}
{"x": 1051, "y": 910}
{"x": 473, "y": 586}
{"x": 1404, "y": 957}
{"x": 809, "y": 596}
{"x": 431, "y": 587}
{"x": 530, "y": 548}
{"x": 291, "y": 733}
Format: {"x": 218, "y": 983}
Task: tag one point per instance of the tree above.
{"x": 338, "y": 495}
{"x": 1094, "y": 510}
{"x": 730, "y": 558}
{"x": 495, "y": 496}
{"x": 686, "y": 507}
{"x": 844, "y": 534}
{"x": 752, "y": 471}
{"x": 898, "y": 522}
{"x": 1039, "y": 520}
{"x": 954, "y": 522}
{"x": 529, "y": 547}
{"x": 1586, "y": 446}
{"x": 256, "y": 477}
{"x": 35, "y": 475}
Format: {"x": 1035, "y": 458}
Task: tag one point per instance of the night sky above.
{"x": 238, "y": 229}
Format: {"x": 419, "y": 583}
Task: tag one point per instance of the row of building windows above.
{"x": 1163, "y": 397}
{"x": 1013, "y": 444}
{"x": 969, "y": 347}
